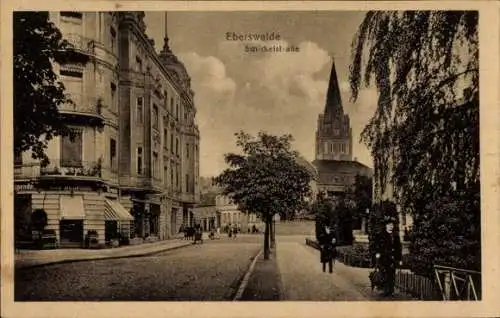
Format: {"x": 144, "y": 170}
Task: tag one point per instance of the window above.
{"x": 187, "y": 150}
{"x": 172, "y": 177}
{"x": 172, "y": 143}
{"x": 18, "y": 159}
{"x": 113, "y": 95}
{"x": 177, "y": 178}
{"x": 165, "y": 176}
{"x": 165, "y": 138}
{"x": 113, "y": 38}
{"x": 172, "y": 106}
{"x": 112, "y": 154}
{"x": 155, "y": 165}
{"x": 177, "y": 146}
{"x": 140, "y": 110}
{"x": 187, "y": 182}
{"x": 71, "y": 14}
{"x": 139, "y": 160}
{"x": 138, "y": 63}
{"x": 155, "y": 117}
{"x": 72, "y": 150}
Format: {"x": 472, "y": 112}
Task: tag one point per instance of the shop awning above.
{"x": 114, "y": 211}
{"x": 72, "y": 207}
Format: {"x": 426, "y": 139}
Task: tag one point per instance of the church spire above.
{"x": 333, "y": 99}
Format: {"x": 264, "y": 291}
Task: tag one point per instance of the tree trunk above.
{"x": 273, "y": 231}
{"x": 266, "y": 239}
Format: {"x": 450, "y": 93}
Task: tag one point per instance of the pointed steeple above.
{"x": 333, "y": 99}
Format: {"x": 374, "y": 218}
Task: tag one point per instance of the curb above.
{"x": 66, "y": 261}
{"x": 246, "y": 278}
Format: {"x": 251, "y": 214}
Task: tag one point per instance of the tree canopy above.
{"x": 266, "y": 177}
{"x": 426, "y": 124}
{"x": 38, "y": 43}
{"x": 424, "y": 133}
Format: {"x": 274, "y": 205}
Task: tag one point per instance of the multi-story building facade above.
{"x": 133, "y": 164}
{"x": 160, "y": 140}
{"x": 231, "y": 216}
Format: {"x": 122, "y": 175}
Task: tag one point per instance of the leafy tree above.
{"x": 265, "y": 178}
{"x": 37, "y": 92}
{"x": 208, "y": 198}
{"x": 337, "y": 215}
{"x": 424, "y": 134}
{"x": 361, "y": 194}
{"x": 344, "y": 211}
{"x": 323, "y": 210}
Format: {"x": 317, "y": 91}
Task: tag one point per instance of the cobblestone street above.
{"x": 211, "y": 271}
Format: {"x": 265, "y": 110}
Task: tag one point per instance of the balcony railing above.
{"x": 82, "y": 104}
{"x": 90, "y": 47}
{"x": 58, "y": 167}
{"x": 78, "y": 42}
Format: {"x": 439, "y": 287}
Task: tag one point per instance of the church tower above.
{"x": 334, "y": 133}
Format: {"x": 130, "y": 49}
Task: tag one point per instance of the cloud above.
{"x": 275, "y": 92}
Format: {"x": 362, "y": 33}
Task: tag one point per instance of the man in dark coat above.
{"x": 327, "y": 241}
{"x": 388, "y": 255}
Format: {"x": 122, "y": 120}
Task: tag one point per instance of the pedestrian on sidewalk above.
{"x": 328, "y": 250}
{"x": 388, "y": 254}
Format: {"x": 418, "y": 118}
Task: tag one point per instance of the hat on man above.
{"x": 389, "y": 219}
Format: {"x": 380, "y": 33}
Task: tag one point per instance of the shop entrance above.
{"x": 71, "y": 233}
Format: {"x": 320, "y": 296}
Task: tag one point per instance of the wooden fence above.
{"x": 417, "y": 286}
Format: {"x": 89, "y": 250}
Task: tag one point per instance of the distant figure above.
{"x": 388, "y": 254}
{"x": 327, "y": 242}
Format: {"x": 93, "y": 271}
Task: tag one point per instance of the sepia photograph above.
{"x": 246, "y": 155}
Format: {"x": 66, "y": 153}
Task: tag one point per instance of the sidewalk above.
{"x": 35, "y": 258}
{"x": 359, "y": 278}
{"x": 302, "y": 277}
{"x": 265, "y": 282}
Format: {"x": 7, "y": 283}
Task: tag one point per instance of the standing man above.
{"x": 388, "y": 255}
{"x": 327, "y": 242}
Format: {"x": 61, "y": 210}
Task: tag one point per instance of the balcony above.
{"x": 58, "y": 169}
{"x": 85, "y": 48}
{"x": 84, "y": 110}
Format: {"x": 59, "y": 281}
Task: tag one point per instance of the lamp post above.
{"x": 366, "y": 221}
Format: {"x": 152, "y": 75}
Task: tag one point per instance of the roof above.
{"x": 308, "y": 165}
{"x": 342, "y": 166}
{"x": 333, "y": 103}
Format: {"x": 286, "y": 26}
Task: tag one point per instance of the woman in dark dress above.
{"x": 327, "y": 242}
{"x": 388, "y": 254}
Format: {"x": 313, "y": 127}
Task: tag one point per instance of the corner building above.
{"x": 133, "y": 166}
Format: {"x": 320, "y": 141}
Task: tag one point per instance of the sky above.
{"x": 276, "y": 92}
